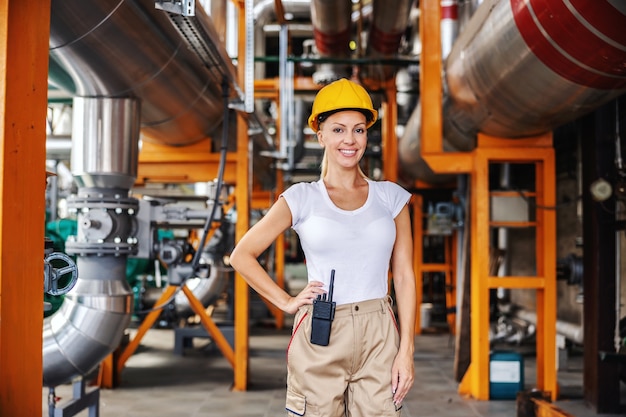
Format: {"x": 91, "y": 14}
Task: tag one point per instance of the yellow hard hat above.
{"x": 342, "y": 94}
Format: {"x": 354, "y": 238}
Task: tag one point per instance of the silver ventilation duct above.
{"x": 92, "y": 319}
{"x": 131, "y": 49}
{"x": 90, "y": 323}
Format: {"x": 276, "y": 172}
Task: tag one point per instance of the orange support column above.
{"x": 279, "y": 257}
{"x": 539, "y": 152}
{"x": 478, "y": 372}
{"x": 389, "y": 139}
{"x": 242, "y": 197}
{"x": 418, "y": 259}
{"x": 450, "y": 261}
{"x": 535, "y": 150}
{"x": 24, "y": 31}
{"x": 546, "y": 267}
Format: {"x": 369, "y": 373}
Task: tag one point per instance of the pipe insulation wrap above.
{"x": 523, "y": 67}
{"x": 131, "y": 49}
{"x": 91, "y": 321}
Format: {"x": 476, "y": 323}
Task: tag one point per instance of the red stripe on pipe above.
{"x": 577, "y": 40}
{"x": 385, "y": 43}
{"x": 554, "y": 58}
{"x": 604, "y": 17}
{"x": 450, "y": 12}
{"x": 332, "y": 44}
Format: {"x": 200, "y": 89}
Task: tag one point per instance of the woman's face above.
{"x": 344, "y": 137}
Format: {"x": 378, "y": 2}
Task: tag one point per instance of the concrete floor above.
{"x": 158, "y": 383}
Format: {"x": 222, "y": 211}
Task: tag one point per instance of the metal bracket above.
{"x": 184, "y": 7}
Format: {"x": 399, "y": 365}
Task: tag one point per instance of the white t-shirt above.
{"x": 357, "y": 244}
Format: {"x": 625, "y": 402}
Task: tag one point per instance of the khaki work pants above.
{"x": 351, "y": 376}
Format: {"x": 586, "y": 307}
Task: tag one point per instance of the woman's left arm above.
{"x": 403, "y": 373}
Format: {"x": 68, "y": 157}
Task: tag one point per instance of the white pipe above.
{"x": 571, "y": 331}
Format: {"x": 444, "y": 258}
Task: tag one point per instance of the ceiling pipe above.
{"x": 332, "y": 29}
{"x": 390, "y": 19}
{"x": 522, "y": 68}
{"x": 264, "y": 15}
{"x": 131, "y": 49}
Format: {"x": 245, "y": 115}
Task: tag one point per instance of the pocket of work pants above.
{"x": 296, "y": 403}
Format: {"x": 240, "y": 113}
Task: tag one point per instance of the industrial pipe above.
{"x": 131, "y": 49}
{"x": 264, "y": 14}
{"x": 95, "y": 313}
{"x": 332, "y": 29}
{"x": 389, "y": 23}
{"x": 522, "y": 68}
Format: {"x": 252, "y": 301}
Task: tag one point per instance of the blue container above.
{"x": 506, "y": 375}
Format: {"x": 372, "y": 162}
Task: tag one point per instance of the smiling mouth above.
{"x": 348, "y": 152}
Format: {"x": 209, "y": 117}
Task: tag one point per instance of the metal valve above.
{"x": 67, "y": 274}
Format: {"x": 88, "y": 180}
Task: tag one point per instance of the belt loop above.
{"x": 389, "y": 300}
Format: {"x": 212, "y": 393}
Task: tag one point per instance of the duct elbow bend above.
{"x": 88, "y": 327}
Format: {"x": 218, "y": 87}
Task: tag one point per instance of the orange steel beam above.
{"x": 279, "y": 11}
{"x": 242, "y": 196}
{"x": 182, "y": 164}
{"x": 450, "y": 257}
{"x": 546, "y": 266}
{"x": 436, "y": 267}
{"x": 24, "y": 48}
{"x": 546, "y": 409}
{"x": 146, "y": 325}
{"x": 431, "y": 91}
{"x": 279, "y": 256}
{"x": 389, "y": 140}
{"x": 210, "y": 326}
{"x": 537, "y": 150}
{"x": 478, "y": 371}
{"x": 271, "y": 85}
{"x": 418, "y": 259}
{"x": 107, "y": 375}
{"x": 261, "y": 200}
{"x": 475, "y": 381}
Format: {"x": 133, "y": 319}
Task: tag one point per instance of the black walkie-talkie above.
{"x": 323, "y": 315}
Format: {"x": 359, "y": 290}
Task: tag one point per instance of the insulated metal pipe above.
{"x": 131, "y": 49}
{"x": 264, "y": 14}
{"x": 523, "y": 67}
{"x": 332, "y": 26}
{"x": 105, "y": 146}
{"x": 389, "y": 22}
{"x": 92, "y": 319}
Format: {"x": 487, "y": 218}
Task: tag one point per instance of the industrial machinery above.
{"x": 154, "y": 73}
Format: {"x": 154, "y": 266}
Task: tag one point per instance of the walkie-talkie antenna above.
{"x": 331, "y": 285}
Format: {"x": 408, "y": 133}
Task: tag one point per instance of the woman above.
{"x": 352, "y": 228}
